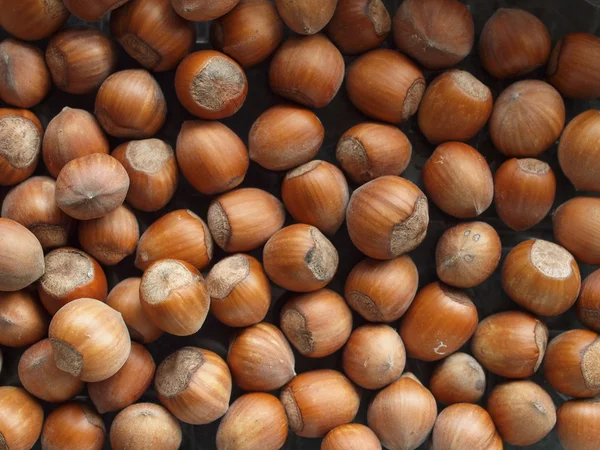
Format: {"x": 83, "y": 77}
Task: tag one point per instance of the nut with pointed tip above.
{"x": 255, "y": 420}
{"x": 90, "y": 340}
{"x": 468, "y": 254}
{"x": 462, "y": 426}
{"x": 284, "y": 137}
{"x": 174, "y": 297}
{"x": 152, "y": 170}
{"x": 74, "y": 425}
{"x": 32, "y": 204}
{"x": 572, "y": 70}
{"x": 260, "y": 358}
{"x": 542, "y": 277}
{"x": 458, "y": 180}
{"x": 212, "y": 158}
{"x": 459, "y": 378}
{"x": 402, "y": 415}
{"x": 71, "y": 134}
{"x": 318, "y": 323}
{"x": 316, "y": 402}
{"x": 22, "y": 320}
{"x": 306, "y": 16}
{"x": 21, "y": 256}
{"x": 143, "y": 426}
{"x": 308, "y": 70}
{"x": 524, "y": 191}
{"x": 249, "y": 33}
{"x": 91, "y": 186}
{"x": 130, "y": 104}
{"x": 125, "y": 298}
{"x": 575, "y": 424}
{"x": 571, "y": 363}
{"x": 92, "y": 10}
{"x": 127, "y": 385}
{"x": 203, "y": 10}
{"x": 80, "y": 59}
{"x": 578, "y": 152}
{"x": 440, "y": 320}
{"x": 316, "y": 193}
{"x": 374, "y": 356}
{"x": 437, "y": 33}
{"x": 70, "y": 274}
{"x": 244, "y": 219}
{"x": 40, "y": 376}
{"x": 351, "y": 436}
{"x": 385, "y": 85}
{"x": 455, "y": 107}
{"x": 371, "y": 150}
{"x": 24, "y": 77}
{"x": 239, "y": 291}
{"x": 513, "y": 42}
{"x": 300, "y": 258}
{"x": 382, "y": 291}
{"x": 180, "y": 234}
{"x": 387, "y": 217}
{"x": 194, "y": 384}
{"x": 21, "y": 419}
{"x": 21, "y": 137}
{"x": 359, "y": 25}
{"x": 211, "y": 85}
{"x": 527, "y": 119}
{"x": 511, "y": 344}
{"x": 587, "y": 306}
{"x": 576, "y": 227}
{"x": 33, "y": 20}
{"x": 110, "y": 238}
{"x": 152, "y": 33}
{"x": 522, "y": 411}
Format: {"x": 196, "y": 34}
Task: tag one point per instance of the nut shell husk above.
{"x": 73, "y": 426}
{"x": 308, "y": 70}
{"x": 402, "y": 415}
{"x": 194, "y": 384}
{"x": 572, "y": 70}
{"x": 571, "y": 363}
{"x": 458, "y": 180}
{"x": 455, "y": 107}
{"x": 576, "y": 227}
{"x": 524, "y": 191}
{"x": 315, "y": 402}
{"x": 32, "y": 204}
{"x": 22, "y": 319}
{"x": 387, "y": 217}
{"x": 180, "y": 234}
{"x": 511, "y": 344}
{"x": 440, "y": 320}
{"x": 21, "y": 256}
{"x": 21, "y": 418}
{"x": 382, "y": 291}
{"x": 513, "y": 42}
{"x": 143, "y": 426}
{"x": 385, "y": 85}
{"x": 317, "y": 323}
{"x": 542, "y": 277}
{"x": 578, "y": 153}
{"x": 260, "y": 358}
{"x": 437, "y": 33}
{"x": 468, "y": 254}
{"x": 255, "y": 420}
{"x": 300, "y": 258}
{"x": 21, "y": 136}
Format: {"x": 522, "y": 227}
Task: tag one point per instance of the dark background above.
{"x": 560, "y": 16}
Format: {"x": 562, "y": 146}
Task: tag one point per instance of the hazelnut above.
{"x": 587, "y": 306}
{"x": 21, "y": 136}
{"x": 306, "y": 16}
{"x": 463, "y": 426}
{"x": 21, "y": 418}
{"x": 576, "y": 227}
{"x": 351, "y": 436}
{"x": 203, "y": 10}
{"x": 74, "y": 426}
{"x": 32, "y": 20}
{"x": 92, "y": 10}
{"x": 575, "y": 424}
{"x": 459, "y": 378}
{"x": 22, "y": 320}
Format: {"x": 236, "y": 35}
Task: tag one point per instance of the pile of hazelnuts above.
{"x": 82, "y": 341}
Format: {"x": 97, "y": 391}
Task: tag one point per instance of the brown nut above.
{"x": 306, "y": 16}
{"x": 21, "y": 136}
{"x": 32, "y": 20}
{"x": 576, "y": 227}
{"x": 74, "y": 426}
{"x": 462, "y": 426}
{"x": 587, "y": 306}
{"x": 22, "y": 319}
{"x": 575, "y": 424}
{"x": 351, "y": 436}
{"x": 21, "y": 418}
{"x": 203, "y": 10}
{"x": 385, "y": 85}
{"x": 92, "y": 10}
{"x": 387, "y": 217}
{"x": 459, "y": 378}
